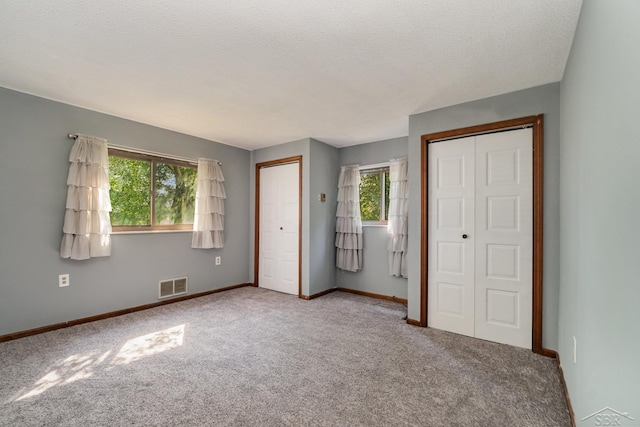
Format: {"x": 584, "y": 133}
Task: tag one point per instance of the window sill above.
{"x": 150, "y": 232}
{"x": 374, "y": 224}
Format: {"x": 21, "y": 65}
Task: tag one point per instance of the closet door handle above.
{"x": 464, "y": 236}
{"x": 280, "y": 228}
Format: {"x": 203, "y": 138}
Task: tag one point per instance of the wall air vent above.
{"x": 172, "y": 287}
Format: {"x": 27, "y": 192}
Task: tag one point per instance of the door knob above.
{"x": 280, "y": 228}
{"x": 464, "y": 236}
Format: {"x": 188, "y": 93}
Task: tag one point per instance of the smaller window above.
{"x": 150, "y": 193}
{"x": 374, "y": 194}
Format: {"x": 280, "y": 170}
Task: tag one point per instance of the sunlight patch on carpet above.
{"x": 73, "y": 368}
{"x": 150, "y": 344}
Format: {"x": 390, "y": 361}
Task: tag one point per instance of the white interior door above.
{"x": 504, "y": 237}
{"x": 481, "y": 258}
{"x": 279, "y": 227}
{"x": 450, "y": 216}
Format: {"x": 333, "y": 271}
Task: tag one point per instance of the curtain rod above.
{"x": 74, "y": 136}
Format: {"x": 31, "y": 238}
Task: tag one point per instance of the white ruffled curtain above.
{"x": 87, "y": 226}
{"x": 208, "y": 223}
{"x": 348, "y": 222}
{"x": 397, "y": 224}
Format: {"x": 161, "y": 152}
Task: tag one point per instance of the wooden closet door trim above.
{"x": 256, "y": 247}
{"x": 536, "y": 122}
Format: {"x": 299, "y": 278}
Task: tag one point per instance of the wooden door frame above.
{"x": 256, "y": 255}
{"x": 536, "y": 122}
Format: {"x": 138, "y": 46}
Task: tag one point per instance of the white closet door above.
{"x": 504, "y": 237}
{"x": 451, "y": 216}
{"x": 480, "y": 237}
{"x": 279, "y": 207}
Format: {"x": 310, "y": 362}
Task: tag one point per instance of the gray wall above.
{"x": 34, "y": 163}
{"x": 374, "y": 276}
{"x": 543, "y": 99}
{"x": 324, "y": 179}
{"x": 599, "y": 236}
{"x": 319, "y": 175}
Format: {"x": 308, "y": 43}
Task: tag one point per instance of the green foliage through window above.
{"x": 175, "y": 194}
{"x": 374, "y": 196}
{"x": 139, "y": 202}
{"x": 130, "y": 192}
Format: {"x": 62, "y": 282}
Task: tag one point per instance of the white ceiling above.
{"x": 255, "y": 73}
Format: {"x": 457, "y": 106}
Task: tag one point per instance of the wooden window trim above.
{"x": 152, "y": 189}
{"x": 148, "y": 157}
{"x": 382, "y": 170}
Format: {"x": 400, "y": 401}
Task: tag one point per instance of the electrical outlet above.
{"x": 575, "y": 350}
{"x": 218, "y": 260}
{"x": 63, "y": 280}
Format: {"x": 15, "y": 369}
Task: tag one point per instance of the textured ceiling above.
{"x": 255, "y": 73}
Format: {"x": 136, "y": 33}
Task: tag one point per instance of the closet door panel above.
{"x": 279, "y": 217}
{"x": 504, "y": 237}
{"x": 451, "y": 288}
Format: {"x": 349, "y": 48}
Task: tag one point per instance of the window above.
{"x": 374, "y": 194}
{"x": 150, "y": 193}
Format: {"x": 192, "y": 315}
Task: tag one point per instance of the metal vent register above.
{"x": 171, "y": 287}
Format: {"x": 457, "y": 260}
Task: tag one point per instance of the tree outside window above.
{"x": 374, "y": 195}
{"x": 150, "y": 193}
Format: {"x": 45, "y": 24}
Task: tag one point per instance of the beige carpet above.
{"x": 251, "y": 357}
